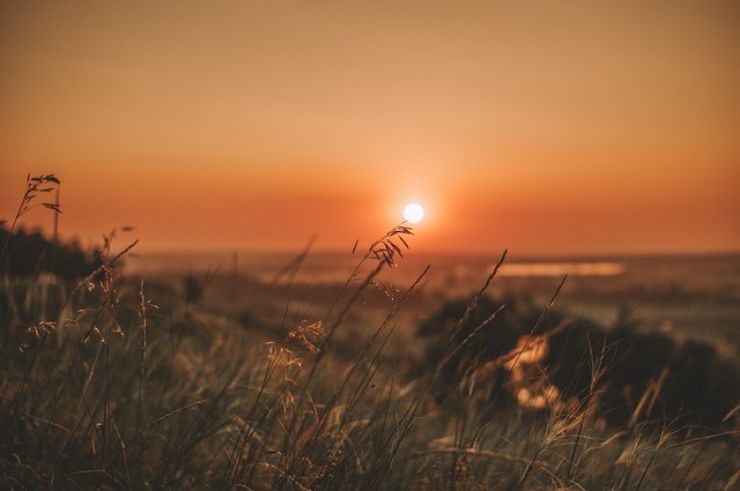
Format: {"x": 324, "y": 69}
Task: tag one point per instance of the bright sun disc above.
{"x": 413, "y": 213}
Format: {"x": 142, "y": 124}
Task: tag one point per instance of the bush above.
{"x": 681, "y": 384}
{"x": 30, "y": 253}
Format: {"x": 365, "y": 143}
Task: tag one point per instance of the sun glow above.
{"x": 413, "y": 213}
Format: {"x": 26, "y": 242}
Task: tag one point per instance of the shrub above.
{"x": 30, "y": 253}
{"x": 647, "y": 376}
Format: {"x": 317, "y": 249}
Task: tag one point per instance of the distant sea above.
{"x": 706, "y": 272}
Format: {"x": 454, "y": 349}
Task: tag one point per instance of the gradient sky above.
{"x": 547, "y": 127}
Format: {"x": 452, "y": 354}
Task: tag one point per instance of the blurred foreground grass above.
{"x": 110, "y": 383}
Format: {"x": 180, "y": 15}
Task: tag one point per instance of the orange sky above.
{"x": 550, "y": 129}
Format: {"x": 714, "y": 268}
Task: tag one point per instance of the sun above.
{"x": 413, "y": 213}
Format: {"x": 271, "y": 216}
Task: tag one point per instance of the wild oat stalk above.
{"x": 34, "y": 186}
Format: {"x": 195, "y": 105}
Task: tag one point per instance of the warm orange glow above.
{"x": 571, "y": 128}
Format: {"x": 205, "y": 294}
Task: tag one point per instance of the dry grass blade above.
{"x": 476, "y": 299}
{"x": 536, "y": 326}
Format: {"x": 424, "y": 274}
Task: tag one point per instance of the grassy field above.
{"x": 112, "y": 382}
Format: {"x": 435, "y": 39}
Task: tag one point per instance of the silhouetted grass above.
{"x": 111, "y": 383}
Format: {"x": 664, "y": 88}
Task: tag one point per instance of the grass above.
{"x": 114, "y": 383}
